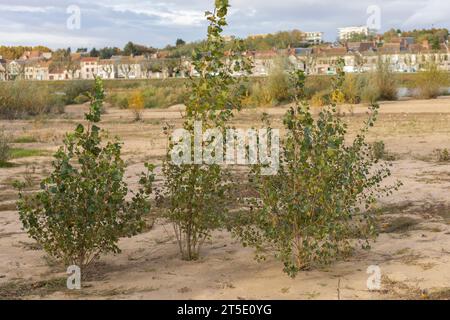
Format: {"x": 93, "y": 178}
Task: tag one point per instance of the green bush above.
{"x": 82, "y": 98}
{"x": 315, "y": 84}
{"x": 442, "y": 155}
{"x": 379, "y": 150}
{"x": 369, "y": 92}
{"x": 160, "y": 97}
{"x": 75, "y": 89}
{"x": 154, "y": 96}
{"x": 278, "y": 82}
{"x": 384, "y": 81}
{"x": 20, "y": 99}
{"x": 430, "y": 83}
{"x": 5, "y": 149}
{"x": 351, "y": 89}
{"x": 258, "y": 95}
{"x": 81, "y": 210}
{"x": 118, "y": 100}
{"x": 380, "y": 153}
{"x": 310, "y": 211}
{"x": 321, "y": 98}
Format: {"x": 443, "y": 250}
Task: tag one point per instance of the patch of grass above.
{"x": 32, "y": 246}
{"x": 6, "y": 165}
{"x": 396, "y": 208}
{"x": 402, "y": 251}
{"x": 441, "y": 294}
{"x": 442, "y": 155}
{"x": 25, "y": 139}
{"x": 15, "y": 290}
{"x": 121, "y": 291}
{"x": 17, "y": 153}
{"x": 400, "y": 225}
{"x": 5, "y": 149}
{"x": 380, "y": 153}
{"x": 22, "y": 99}
{"x": 431, "y": 81}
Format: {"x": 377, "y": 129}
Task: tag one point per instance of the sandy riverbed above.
{"x": 414, "y": 259}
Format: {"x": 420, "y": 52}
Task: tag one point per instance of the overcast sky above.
{"x": 157, "y": 23}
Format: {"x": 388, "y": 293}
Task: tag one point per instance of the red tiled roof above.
{"x": 390, "y": 48}
{"x": 89, "y": 59}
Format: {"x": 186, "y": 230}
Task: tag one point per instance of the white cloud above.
{"x": 166, "y": 17}
{"x": 434, "y": 12}
{"x": 20, "y": 8}
{"x": 52, "y": 40}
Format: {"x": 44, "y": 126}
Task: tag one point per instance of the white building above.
{"x": 314, "y": 37}
{"x": 107, "y": 69}
{"x": 347, "y": 32}
{"x": 89, "y": 68}
{"x": 37, "y": 71}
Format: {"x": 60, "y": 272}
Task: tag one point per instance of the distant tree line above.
{"x": 15, "y": 52}
{"x": 434, "y": 36}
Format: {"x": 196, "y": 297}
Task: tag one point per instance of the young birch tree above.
{"x": 196, "y": 192}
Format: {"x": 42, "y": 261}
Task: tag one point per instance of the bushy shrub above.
{"x": 278, "y": 82}
{"x": 320, "y": 99}
{"x": 430, "y": 82}
{"x": 369, "y": 92}
{"x": 5, "y": 149}
{"x": 136, "y": 105}
{"x": 163, "y": 97}
{"x": 315, "y": 84}
{"x": 258, "y": 95}
{"x": 351, "y": 89}
{"x": 81, "y": 210}
{"x": 380, "y": 153}
{"x": 442, "y": 155}
{"x": 19, "y": 99}
{"x": 321, "y": 199}
{"x": 384, "y": 81}
{"x": 118, "y": 100}
{"x": 75, "y": 89}
{"x": 82, "y": 98}
{"x": 153, "y": 96}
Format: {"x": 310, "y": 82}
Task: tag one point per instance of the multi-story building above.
{"x": 89, "y": 67}
{"x": 37, "y": 70}
{"x": 314, "y": 38}
{"x": 348, "y": 32}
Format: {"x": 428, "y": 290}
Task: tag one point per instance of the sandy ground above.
{"x": 414, "y": 256}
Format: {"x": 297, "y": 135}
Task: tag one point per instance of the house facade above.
{"x": 37, "y": 71}
{"x": 89, "y": 67}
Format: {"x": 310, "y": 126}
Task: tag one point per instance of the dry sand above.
{"x": 414, "y": 258}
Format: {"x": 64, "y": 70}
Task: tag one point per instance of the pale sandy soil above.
{"x": 414, "y": 261}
